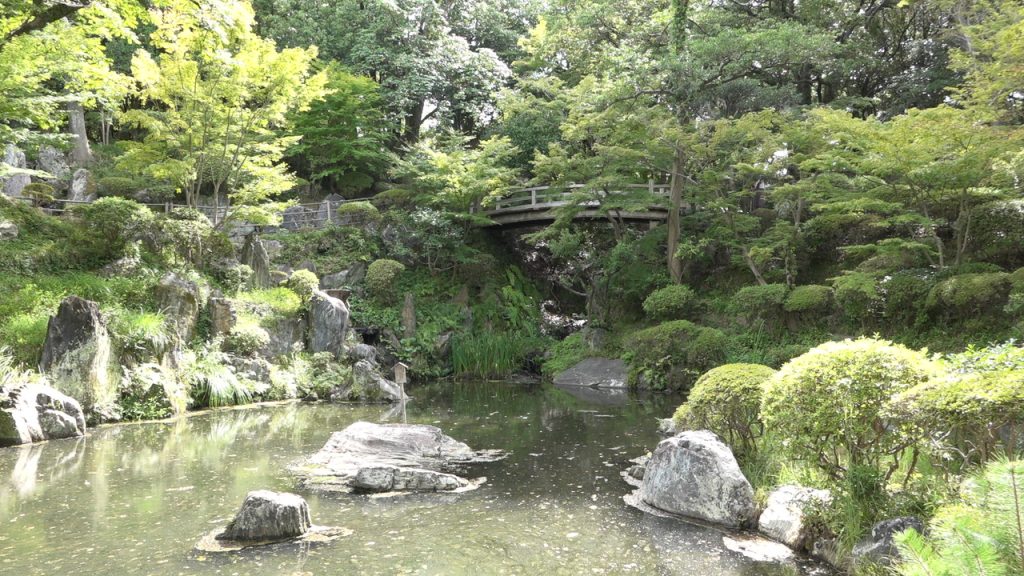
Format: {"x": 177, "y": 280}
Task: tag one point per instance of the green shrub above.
{"x": 280, "y": 300}
{"x": 246, "y": 339}
{"x": 326, "y": 375}
{"x": 672, "y": 355}
{"x": 967, "y": 412}
{"x": 151, "y": 392}
{"x": 39, "y": 192}
{"x": 727, "y": 401}
{"x": 360, "y": 212}
{"x": 903, "y": 295}
{"x": 111, "y": 223}
{"x": 979, "y": 535}
{"x": 140, "y": 336}
{"x": 117, "y": 186}
{"x": 303, "y": 283}
{"x": 675, "y": 302}
{"x": 809, "y": 299}
{"x": 25, "y": 335}
{"x": 236, "y": 277}
{"x": 857, "y": 295}
{"x": 997, "y": 229}
{"x": 969, "y": 295}
{"x": 760, "y": 302}
{"x": 1017, "y": 281}
{"x": 565, "y": 354}
{"x": 832, "y": 405}
{"x": 380, "y": 279}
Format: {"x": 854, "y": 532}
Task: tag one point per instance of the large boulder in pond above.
{"x": 595, "y": 373}
{"x": 34, "y": 412}
{"x": 268, "y": 517}
{"x": 367, "y": 385}
{"x": 784, "y": 517}
{"x": 370, "y": 457}
{"x": 328, "y": 324}
{"x": 254, "y": 255}
{"x": 180, "y": 301}
{"x": 694, "y": 474}
{"x": 77, "y": 357}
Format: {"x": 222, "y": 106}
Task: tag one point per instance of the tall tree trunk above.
{"x": 753, "y": 267}
{"x": 80, "y": 152}
{"x": 675, "y": 266}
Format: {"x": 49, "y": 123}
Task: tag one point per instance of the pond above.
{"x": 134, "y": 499}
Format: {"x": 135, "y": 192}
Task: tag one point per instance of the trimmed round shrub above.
{"x": 832, "y": 404}
{"x": 246, "y": 340}
{"x": 674, "y": 302}
{"x": 903, "y": 295}
{"x": 973, "y": 408}
{"x": 672, "y": 355}
{"x": 857, "y": 295}
{"x": 727, "y": 401}
{"x": 117, "y": 186}
{"x": 358, "y": 212}
{"x": 968, "y": 295}
{"x": 380, "y": 278}
{"x": 111, "y": 222}
{"x": 811, "y": 298}
{"x": 39, "y": 192}
{"x": 303, "y": 283}
{"x": 236, "y": 277}
{"x": 760, "y": 302}
{"x": 998, "y": 232}
{"x": 1017, "y": 281}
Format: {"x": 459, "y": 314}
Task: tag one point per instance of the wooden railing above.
{"x": 544, "y": 197}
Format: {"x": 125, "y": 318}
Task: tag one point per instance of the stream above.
{"x": 134, "y": 498}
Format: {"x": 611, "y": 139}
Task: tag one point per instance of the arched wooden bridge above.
{"x": 540, "y": 204}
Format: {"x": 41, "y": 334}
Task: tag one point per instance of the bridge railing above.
{"x": 542, "y": 197}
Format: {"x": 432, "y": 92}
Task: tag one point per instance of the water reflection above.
{"x": 138, "y": 496}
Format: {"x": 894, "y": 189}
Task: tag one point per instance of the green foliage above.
{"x": 110, "y": 223}
{"x": 326, "y": 374}
{"x": 833, "y": 404}
{"x": 236, "y": 278}
{"x": 810, "y": 298}
{"x": 39, "y": 192}
{"x": 140, "y": 336}
{"x": 281, "y": 301}
{"x": 727, "y": 401}
{"x": 675, "y": 302}
{"x": 493, "y": 355}
{"x": 857, "y": 295}
{"x": 246, "y": 339}
{"x": 565, "y": 354}
{"x": 380, "y": 279}
{"x": 979, "y": 536}
{"x": 151, "y": 392}
{"x": 11, "y": 375}
{"x": 904, "y": 295}
{"x": 303, "y": 283}
{"x": 117, "y": 186}
{"x": 969, "y": 295}
{"x": 209, "y": 378}
{"x": 672, "y": 355}
{"x": 760, "y": 302}
{"x": 331, "y": 249}
{"x": 360, "y": 212}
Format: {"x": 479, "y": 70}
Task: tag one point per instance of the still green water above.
{"x": 133, "y": 499}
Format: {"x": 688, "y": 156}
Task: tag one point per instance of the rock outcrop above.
{"x": 8, "y": 230}
{"x": 77, "y": 357}
{"x": 783, "y": 519}
{"x": 880, "y": 546}
{"x": 595, "y": 373}
{"x": 328, "y": 324}
{"x": 367, "y": 385}
{"x": 268, "y": 517}
{"x": 371, "y": 457}
{"x": 35, "y": 412}
{"x": 223, "y": 316}
{"x": 254, "y": 255}
{"x": 694, "y": 474}
{"x": 79, "y": 190}
{"x": 287, "y": 335}
{"x": 180, "y": 300}
{"x": 54, "y": 163}
{"x": 15, "y": 158}
{"x": 346, "y": 278}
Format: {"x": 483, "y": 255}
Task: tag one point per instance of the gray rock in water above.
{"x": 8, "y": 230}
{"x": 783, "y": 518}
{"x": 694, "y": 474}
{"x": 595, "y": 373}
{"x": 880, "y": 547}
{"x": 34, "y": 412}
{"x": 254, "y": 255}
{"x": 368, "y": 385}
{"x": 668, "y": 427}
{"x": 328, "y": 324}
{"x": 77, "y": 357}
{"x": 15, "y": 158}
{"x": 391, "y": 457}
{"x": 79, "y": 190}
{"x": 268, "y": 516}
{"x": 180, "y": 300}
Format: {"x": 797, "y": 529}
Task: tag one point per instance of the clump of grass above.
{"x": 140, "y": 335}
{"x": 280, "y": 300}
{"x": 491, "y": 355}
